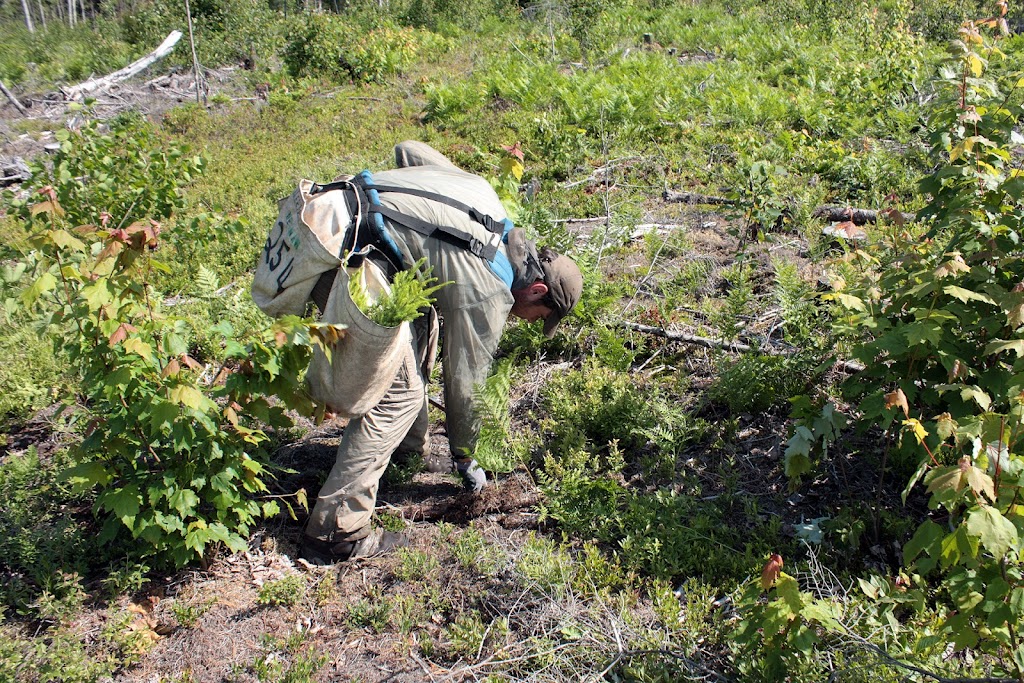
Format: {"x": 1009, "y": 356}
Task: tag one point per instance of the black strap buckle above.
{"x": 487, "y": 221}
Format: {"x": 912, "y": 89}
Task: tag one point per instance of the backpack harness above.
{"x": 371, "y": 231}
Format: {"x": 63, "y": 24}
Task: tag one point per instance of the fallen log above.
{"x": 828, "y": 212}
{"x": 13, "y": 172}
{"x": 14, "y": 100}
{"x": 859, "y": 216}
{"x": 77, "y": 92}
{"x": 695, "y": 198}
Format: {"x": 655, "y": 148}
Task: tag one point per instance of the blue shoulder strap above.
{"x": 495, "y": 258}
{"x": 376, "y": 220}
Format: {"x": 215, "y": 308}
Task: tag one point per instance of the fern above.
{"x": 490, "y": 400}
{"x": 730, "y": 316}
{"x": 411, "y": 293}
{"x": 206, "y": 282}
{"x": 794, "y": 297}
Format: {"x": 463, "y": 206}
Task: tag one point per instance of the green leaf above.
{"x": 977, "y": 395}
{"x": 1000, "y": 345}
{"x": 96, "y": 295}
{"x": 138, "y": 347}
{"x": 921, "y": 469}
{"x": 197, "y": 536}
{"x": 925, "y": 540}
{"x": 45, "y": 283}
{"x": 1017, "y": 602}
{"x": 824, "y": 613}
{"x": 124, "y": 503}
{"x": 162, "y": 415}
{"x": 175, "y": 345}
{"x": 190, "y": 397}
{"x": 980, "y": 482}
{"x": 957, "y": 545}
{"x": 797, "y": 460}
{"x": 161, "y": 266}
{"x": 923, "y": 331}
{"x": 65, "y": 240}
{"x": 84, "y": 476}
{"x": 869, "y": 589}
{"x": 966, "y": 295}
{"x": 945, "y": 478}
{"x": 788, "y": 589}
{"x": 849, "y": 301}
{"x": 13, "y": 272}
{"x": 996, "y": 533}
{"x": 184, "y": 501}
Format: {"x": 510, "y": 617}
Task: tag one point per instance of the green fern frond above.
{"x": 207, "y": 282}
{"x": 411, "y": 293}
{"x": 490, "y": 401}
{"x": 796, "y": 300}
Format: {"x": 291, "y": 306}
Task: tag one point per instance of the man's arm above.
{"x": 471, "y": 337}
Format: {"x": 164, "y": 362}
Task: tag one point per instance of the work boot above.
{"x": 377, "y": 542}
{"x": 438, "y": 463}
{"x": 431, "y": 462}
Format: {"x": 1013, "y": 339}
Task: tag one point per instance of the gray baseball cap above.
{"x": 565, "y": 285}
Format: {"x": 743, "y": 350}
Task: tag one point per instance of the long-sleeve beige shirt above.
{"x": 476, "y": 303}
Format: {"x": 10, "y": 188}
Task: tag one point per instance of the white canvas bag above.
{"x": 306, "y": 241}
{"x": 366, "y": 359}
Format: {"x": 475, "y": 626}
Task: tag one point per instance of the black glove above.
{"x": 473, "y": 478}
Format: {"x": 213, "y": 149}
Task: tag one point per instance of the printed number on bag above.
{"x": 278, "y": 251}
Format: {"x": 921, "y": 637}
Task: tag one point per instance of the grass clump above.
{"x": 286, "y": 592}
{"x": 415, "y": 565}
{"x": 595, "y": 406}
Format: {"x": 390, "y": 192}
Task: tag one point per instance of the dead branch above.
{"x": 688, "y": 338}
{"x": 695, "y": 198}
{"x": 658, "y": 228}
{"x": 893, "y": 661}
{"x": 13, "y": 99}
{"x": 79, "y": 91}
{"x": 826, "y": 211}
{"x": 737, "y": 347}
{"x": 855, "y": 215}
{"x": 598, "y": 219}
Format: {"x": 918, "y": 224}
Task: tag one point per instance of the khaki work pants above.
{"x": 399, "y": 422}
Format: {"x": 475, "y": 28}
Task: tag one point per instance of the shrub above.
{"x": 939, "y": 318}
{"x": 754, "y": 383}
{"x": 61, "y": 54}
{"x": 175, "y": 455}
{"x": 125, "y": 173}
{"x": 329, "y": 47}
{"x": 41, "y": 537}
{"x": 451, "y": 16}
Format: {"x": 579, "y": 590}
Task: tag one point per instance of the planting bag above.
{"x": 308, "y": 239}
{"x": 366, "y": 359}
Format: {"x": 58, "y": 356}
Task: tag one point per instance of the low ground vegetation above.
{"x": 819, "y": 481}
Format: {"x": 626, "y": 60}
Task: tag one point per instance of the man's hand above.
{"x": 473, "y": 478}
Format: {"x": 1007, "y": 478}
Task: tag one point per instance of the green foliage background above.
{"x": 779, "y": 107}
